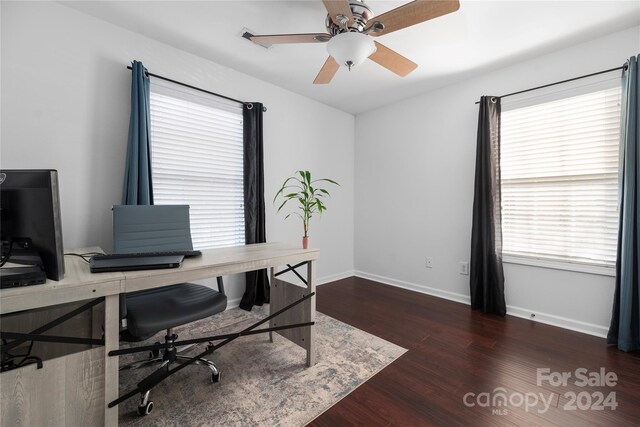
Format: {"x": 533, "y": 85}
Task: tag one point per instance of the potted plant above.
{"x": 309, "y": 195}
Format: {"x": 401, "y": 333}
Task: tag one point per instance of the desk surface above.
{"x": 221, "y": 262}
{"x": 80, "y": 284}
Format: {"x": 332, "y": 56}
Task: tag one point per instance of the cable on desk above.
{"x": 86, "y": 257}
{"x": 8, "y": 359}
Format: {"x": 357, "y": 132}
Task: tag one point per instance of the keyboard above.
{"x": 186, "y": 254}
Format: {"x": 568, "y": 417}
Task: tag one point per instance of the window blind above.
{"x": 559, "y": 168}
{"x": 197, "y": 159}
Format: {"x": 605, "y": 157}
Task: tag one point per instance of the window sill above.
{"x": 560, "y": 265}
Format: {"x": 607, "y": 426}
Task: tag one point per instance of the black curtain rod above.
{"x": 198, "y": 89}
{"x": 623, "y": 67}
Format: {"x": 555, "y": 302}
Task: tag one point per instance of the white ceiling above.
{"x": 481, "y": 36}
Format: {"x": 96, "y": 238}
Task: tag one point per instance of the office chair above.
{"x": 150, "y": 228}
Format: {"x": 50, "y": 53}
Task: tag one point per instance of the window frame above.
{"x": 228, "y": 131}
{"x": 540, "y": 96}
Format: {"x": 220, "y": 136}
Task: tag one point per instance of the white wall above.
{"x": 65, "y": 105}
{"x": 414, "y": 191}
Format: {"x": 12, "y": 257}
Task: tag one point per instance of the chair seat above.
{"x": 153, "y": 310}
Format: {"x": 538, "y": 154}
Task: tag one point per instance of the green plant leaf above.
{"x": 277, "y": 194}
{"x": 282, "y": 205}
{"x": 327, "y": 180}
{"x": 284, "y": 185}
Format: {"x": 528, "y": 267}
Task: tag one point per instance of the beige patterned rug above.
{"x": 262, "y": 383}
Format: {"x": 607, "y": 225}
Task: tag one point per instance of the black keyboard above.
{"x": 186, "y": 254}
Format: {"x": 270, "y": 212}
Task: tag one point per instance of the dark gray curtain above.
{"x": 138, "y": 189}
{"x": 486, "y": 275}
{"x": 257, "y": 288}
{"x": 625, "y": 320}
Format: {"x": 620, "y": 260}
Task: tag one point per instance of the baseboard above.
{"x": 452, "y": 296}
{"x": 334, "y": 277}
{"x": 524, "y": 313}
{"x": 234, "y": 303}
{"x": 559, "y": 321}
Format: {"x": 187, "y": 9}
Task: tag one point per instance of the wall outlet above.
{"x": 429, "y": 262}
{"x": 464, "y": 267}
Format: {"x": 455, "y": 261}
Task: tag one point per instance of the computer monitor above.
{"x": 30, "y": 208}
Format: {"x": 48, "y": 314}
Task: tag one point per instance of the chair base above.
{"x": 168, "y": 356}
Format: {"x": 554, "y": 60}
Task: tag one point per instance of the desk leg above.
{"x": 272, "y": 276}
{"x": 284, "y": 293}
{"x": 111, "y": 374}
{"x": 311, "y": 287}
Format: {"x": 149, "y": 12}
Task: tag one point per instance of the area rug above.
{"x": 262, "y": 383}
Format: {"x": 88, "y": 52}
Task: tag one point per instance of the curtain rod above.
{"x": 623, "y": 67}
{"x": 248, "y": 104}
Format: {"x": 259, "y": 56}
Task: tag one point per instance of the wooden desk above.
{"x": 79, "y": 285}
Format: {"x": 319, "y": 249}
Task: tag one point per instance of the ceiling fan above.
{"x": 350, "y": 27}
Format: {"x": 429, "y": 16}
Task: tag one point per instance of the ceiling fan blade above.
{"x": 392, "y": 60}
{"x": 291, "y": 38}
{"x": 327, "y": 72}
{"x": 413, "y": 13}
{"x": 338, "y": 7}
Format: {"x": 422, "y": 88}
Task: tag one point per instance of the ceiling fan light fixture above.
{"x": 351, "y": 49}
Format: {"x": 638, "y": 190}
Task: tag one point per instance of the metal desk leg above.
{"x": 111, "y": 376}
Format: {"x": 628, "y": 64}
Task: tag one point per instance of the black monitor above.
{"x": 30, "y": 208}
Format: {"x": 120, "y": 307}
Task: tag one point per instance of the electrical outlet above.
{"x": 429, "y": 263}
{"x": 464, "y": 267}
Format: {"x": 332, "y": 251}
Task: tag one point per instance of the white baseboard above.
{"x": 334, "y": 277}
{"x": 452, "y": 296}
{"x": 233, "y": 303}
{"x": 524, "y": 313}
{"x": 559, "y": 321}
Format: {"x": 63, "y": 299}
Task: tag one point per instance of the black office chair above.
{"x": 145, "y": 313}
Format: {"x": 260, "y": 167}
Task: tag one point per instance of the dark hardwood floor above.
{"x": 453, "y": 351}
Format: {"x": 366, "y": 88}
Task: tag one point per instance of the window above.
{"x": 197, "y": 159}
{"x": 559, "y": 161}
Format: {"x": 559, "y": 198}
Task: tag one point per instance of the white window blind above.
{"x": 559, "y": 162}
{"x": 197, "y": 159}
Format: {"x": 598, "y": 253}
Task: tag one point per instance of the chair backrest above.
{"x": 151, "y": 228}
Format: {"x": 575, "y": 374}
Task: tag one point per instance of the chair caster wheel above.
{"x": 215, "y": 378}
{"x": 145, "y": 409}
